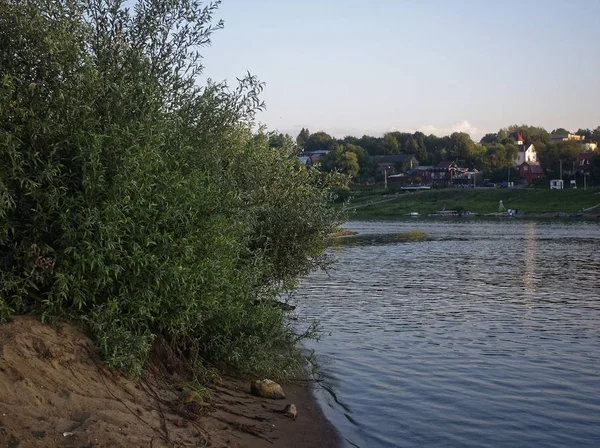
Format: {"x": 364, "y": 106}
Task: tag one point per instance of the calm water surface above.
{"x": 487, "y": 334}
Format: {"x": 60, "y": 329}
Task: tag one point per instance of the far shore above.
{"x": 522, "y": 202}
{"x": 433, "y": 217}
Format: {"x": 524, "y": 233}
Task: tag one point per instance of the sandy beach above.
{"x": 54, "y": 392}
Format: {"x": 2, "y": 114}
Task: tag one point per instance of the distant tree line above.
{"x": 492, "y": 154}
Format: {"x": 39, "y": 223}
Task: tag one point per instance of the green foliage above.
{"x": 416, "y": 145}
{"x": 140, "y": 203}
{"x": 319, "y": 141}
{"x": 554, "y": 154}
{"x": 365, "y": 162}
{"x": 342, "y": 194}
{"x": 499, "y": 156}
{"x": 402, "y": 139}
{"x": 495, "y": 150}
{"x": 505, "y": 174}
{"x": 370, "y": 144}
{"x": 461, "y": 146}
{"x": 489, "y": 139}
{"x": 585, "y": 133}
{"x": 302, "y": 137}
{"x": 281, "y": 141}
{"x": 390, "y": 144}
{"x": 531, "y": 134}
{"x": 341, "y": 160}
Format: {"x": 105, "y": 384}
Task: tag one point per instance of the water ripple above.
{"x": 487, "y": 334}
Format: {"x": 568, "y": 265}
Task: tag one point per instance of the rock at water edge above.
{"x": 267, "y": 389}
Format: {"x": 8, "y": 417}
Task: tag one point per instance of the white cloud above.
{"x": 440, "y": 131}
{"x": 459, "y": 126}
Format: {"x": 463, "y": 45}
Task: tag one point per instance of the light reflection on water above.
{"x": 485, "y": 334}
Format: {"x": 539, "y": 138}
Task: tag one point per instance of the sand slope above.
{"x": 55, "y": 393}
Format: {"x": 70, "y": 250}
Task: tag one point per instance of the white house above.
{"x": 527, "y": 153}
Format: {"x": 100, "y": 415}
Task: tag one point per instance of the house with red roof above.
{"x": 531, "y": 172}
{"x": 584, "y": 161}
{"x": 517, "y": 138}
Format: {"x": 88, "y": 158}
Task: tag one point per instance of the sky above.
{"x": 353, "y": 67}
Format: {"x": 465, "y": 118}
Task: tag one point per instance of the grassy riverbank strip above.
{"x": 530, "y": 201}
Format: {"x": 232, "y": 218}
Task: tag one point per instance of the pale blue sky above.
{"x": 355, "y": 66}
{"x": 351, "y": 67}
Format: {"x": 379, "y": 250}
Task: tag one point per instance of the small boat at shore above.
{"x": 445, "y": 213}
{"x": 453, "y": 214}
{"x": 414, "y": 214}
{"x": 510, "y": 213}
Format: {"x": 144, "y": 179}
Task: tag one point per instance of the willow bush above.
{"x": 139, "y": 202}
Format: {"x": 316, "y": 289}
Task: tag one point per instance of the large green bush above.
{"x": 139, "y": 202}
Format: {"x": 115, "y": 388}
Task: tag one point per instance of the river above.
{"x": 487, "y": 334}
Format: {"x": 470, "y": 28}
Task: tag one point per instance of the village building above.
{"x": 527, "y": 152}
{"x": 531, "y": 172}
{"x": 395, "y": 163}
{"x": 590, "y": 145}
{"x": 584, "y": 161}
{"x": 565, "y": 137}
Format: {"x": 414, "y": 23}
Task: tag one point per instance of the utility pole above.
{"x": 561, "y": 170}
